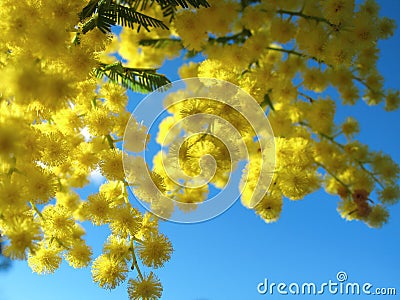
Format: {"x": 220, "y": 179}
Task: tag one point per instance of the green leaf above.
{"x": 168, "y": 7}
{"x": 88, "y": 10}
{"x": 140, "y": 4}
{"x": 103, "y": 14}
{"x": 158, "y": 43}
{"x": 267, "y": 101}
{"x": 102, "y": 21}
{"x": 135, "y": 79}
{"x": 191, "y": 53}
{"x": 108, "y": 14}
{"x": 128, "y": 17}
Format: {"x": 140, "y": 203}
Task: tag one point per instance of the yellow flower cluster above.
{"x": 194, "y": 153}
{"x": 58, "y": 124}
{"x": 286, "y": 54}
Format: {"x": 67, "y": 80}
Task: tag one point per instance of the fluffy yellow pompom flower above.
{"x": 320, "y": 115}
{"x": 9, "y": 139}
{"x": 99, "y": 121}
{"x": 45, "y": 260}
{"x": 149, "y": 226}
{"x": 168, "y": 131}
{"x": 315, "y": 80}
{"x": 125, "y": 221}
{"x": 190, "y": 197}
{"x": 392, "y": 100}
{"x": 111, "y": 164}
{"x": 270, "y": 207}
{"x": 213, "y": 68}
{"x": 12, "y": 193}
{"x": 98, "y": 209}
{"x": 154, "y": 251}
{"x": 42, "y": 185}
{"x": 347, "y": 209}
{"x": 145, "y": 288}
{"x": 192, "y": 32}
{"x": 364, "y": 31}
{"x": 295, "y": 151}
{"x": 68, "y": 121}
{"x": 114, "y": 192}
{"x": 69, "y": 200}
{"x": 79, "y": 256}
{"x": 23, "y": 233}
{"x": 188, "y": 70}
{"x": 109, "y": 271}
{"x": 389, "y": 194}
{"x": 282, "y": 31}
{"x": 148, "y": 190}
{"x": 118, "y": 248}
{"x": 295, "y": 182}
{"x": 378, "y": 216}
{"x": 385, "y": 166}
{"x": 223, "y": 12}
{"x": 55, "y": 149}
{"x": 386, "y": 28}
{"x": 57, "y": 222}
{"x": 254, "y": 17}
{"x": 114, "y": 95}
{"x": 136, "y": 137}
{"x": 337, "y": 11}
{"x": 350, "y": 127}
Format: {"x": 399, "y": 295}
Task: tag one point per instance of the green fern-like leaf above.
{"x": 159, "y": 43}
{"x": 191, "y": 53}
{"x": 103, "y": 21}
{"x": 140, "y": 4}
{"x": 168, "y": 7}
{"x": 128, "y": 17}
{"x": 267, "y": 101}
{"x": 88, "y": 10}
{"x": 104, "y": 14}
{"x": 135, "y": 79}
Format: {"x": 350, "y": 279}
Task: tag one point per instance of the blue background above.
{"x": 226, "y": 257}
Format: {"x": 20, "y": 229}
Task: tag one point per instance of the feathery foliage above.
{"x": 106, "y": 14}
{"x": 136, "y": 79}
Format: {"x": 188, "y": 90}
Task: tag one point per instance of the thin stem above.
{"x": 295, "y": 53}
{"x": 125, "y": 193}
{"x": 59, "y": 242}
{"x": 134, "y": 261}
{"x": 360, "y": 163}
{"x": 34, "y": 207}
{"x": 360, "y": 80}
{"x": 110, "y": 141}
{"x": 301, "y": 15}
{"x": 137, "y": 240}
{"x": 309, "y": 98}
{"x": 334, "y": 176}
{"x": 325, "y": 136}
{"x": 241, "y": 36}
{"x": 94, "y": 104}
{"x": 370, "y": 174}
{"x": 286, "y": 51}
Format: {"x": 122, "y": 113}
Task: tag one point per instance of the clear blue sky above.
{"x": 225, "y": 258}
